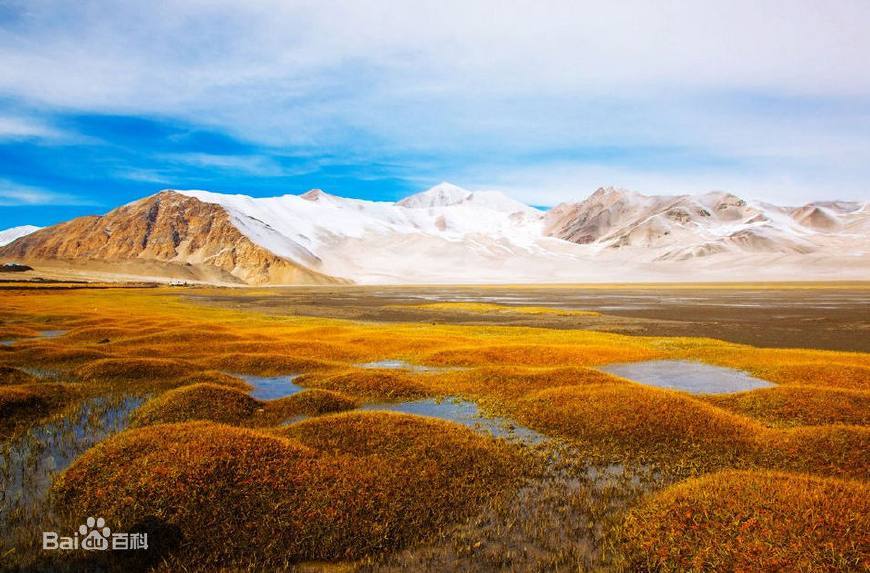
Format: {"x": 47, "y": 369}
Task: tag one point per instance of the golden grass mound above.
{"x": 197, "y": 402}
{"x": 753, "y": 521}
{"x": 833, "y": 375}
{"x": 135, "y": 370}
{"x": 514, "y": 382}
{"x": 372, "y": 383}
{"x": 262, "y": 364}
{"x": 24, "y": 402}
{"x": 50, "y": 354}
{"x": 799, "y": 405}
{"x": 539, "y": 355}
{"x": 633, "y": 419}
{"x": 836, "y": 450}
{"x": 268, "y": 500}
{"x": 10, "y": 375}
{"x": 314, "y": 402}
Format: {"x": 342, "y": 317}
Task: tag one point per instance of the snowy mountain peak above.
{"x": 448, "y": 195}
{"x": 442, "y": 195}
{"x": 9, "y": 235}
{"x": 314, "y": 195}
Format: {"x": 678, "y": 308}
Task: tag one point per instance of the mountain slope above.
{"x": 167, "y": 235}
{"x": 448, "y": 235}
{"x": 683, "y": 227}
{"x": 9, "y": 235}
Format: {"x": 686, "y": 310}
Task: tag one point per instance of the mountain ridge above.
{"x": 450, "y": 234}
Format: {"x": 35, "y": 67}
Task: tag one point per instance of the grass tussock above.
{"x": 228, "y": 405}
{"x": 23, "y": 403}
{"x": 833, "y": 375}
{"x": 10, "y": 375}
{"x": 263, "y": 364}
{"x": 54, "y": 355}
{"x": 512, "y": 383}
{"x": 538, "y": 355}
{"x": 377, "y": 482}
{"x": 314, "y": 402}
{"x": 632, "y": 420}
{"x": 374, "y": 383}
{"x": 799, "y": 405}
{"x": 158, "y": 371}
{"x": 834, "y": 450}
{"x": 752, "y": 521}
{"x": 197, "y": 402}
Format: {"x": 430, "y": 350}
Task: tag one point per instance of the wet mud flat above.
{"x": 822, "y": 316}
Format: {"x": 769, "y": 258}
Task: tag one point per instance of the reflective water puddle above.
{"x": 688, "y": 376}
{"x": 271, "y": 387}
{"x": 51, "y": 333}
{"x": 402, "y": 365}
{"x": 29, "y": 462}
{"x": 462, "y": 412}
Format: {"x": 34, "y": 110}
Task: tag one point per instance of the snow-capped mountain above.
{"x": 449, "y": 234}
{"x": 9, "y": 235}
{"x": 687, "y": 226}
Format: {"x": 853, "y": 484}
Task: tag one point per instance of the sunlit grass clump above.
{"x": 23, "y": 402}
{"x": 197, "y": 402}
{"x": 331, "y": 488}
{"x": 157, "y": 371}
{"x": 752, "y": 521}
{"x": 799, "y": 405}
{"x": 633, "y": 420}
{"x": 229, "y": 405}
{"x": 374, "y": 383}
{"x": 539, "y": 355}
{"x": 10, "y": 375}
{"x": 314, "y": 402}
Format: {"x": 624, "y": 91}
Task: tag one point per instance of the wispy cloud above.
{"x": 12, "y": 127}
{"x": 15, "y": 195}
{"x": 773, "y": 98}
{"x": 250, "y": 164}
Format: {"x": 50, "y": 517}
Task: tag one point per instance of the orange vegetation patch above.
{"x": 10, "y": 375}
{"x": 23, "y": 402}
{"x": 634, "y": 420}
{"x": 197, "y": 402}
{"x": 835, "y": 450}
{"x": 313, "y": 402}
{"x": 377, "y": 482}
{"x": 263, "y": 364}
{"x": 799, "y": 405}
{"x": 752, "y": 521}
{"x": 539, "y": 355}
{"x": 227, "y": 405}
{"x": 511, "y": 383}
{"x": 373, "y": 383}
{"x": 157, "y": 371}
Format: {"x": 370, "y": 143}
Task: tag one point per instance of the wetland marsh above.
{"x": 463, "y": 429}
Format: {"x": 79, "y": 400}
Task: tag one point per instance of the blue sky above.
{"x": 104, "y": 102}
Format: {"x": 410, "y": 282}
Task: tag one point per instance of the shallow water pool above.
{"x": 462, "y": 412}
{"x": 51, "y": 333}
{"x": 272, "y": 387}
{"x": 402, "y": 365}
{"x": 688, "y": 376}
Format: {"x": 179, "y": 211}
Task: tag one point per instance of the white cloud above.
{"x": 14, "y": 194}
{"x": 12, "y": 127}
{"x": 249, "y": 164}
{"x": 484, "y": 78}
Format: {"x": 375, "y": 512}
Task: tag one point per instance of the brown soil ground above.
{"x": 821, "y": 316}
